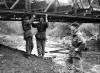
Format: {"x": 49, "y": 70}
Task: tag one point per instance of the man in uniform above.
{"x": 28, "y": 37}
{"x": 41, "y": 36}
{"x": 77, "y": 44}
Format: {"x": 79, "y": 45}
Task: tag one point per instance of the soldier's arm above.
{"x": 35, "y": 24}
{"x": 46, "y": 21}
{"x": 24, "y": 26}
{"x": 32, "y": 19}
{"x": 46, "y": 25}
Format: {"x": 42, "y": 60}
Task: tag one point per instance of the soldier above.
{"x": 41, "y": 36}
{"x": 28, "y": 37}
{"x": 77, "y": 44}
{"x": 74, "y": 28}
{"x": 78, "y": 41}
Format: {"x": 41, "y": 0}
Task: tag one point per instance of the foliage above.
{"x": 60, "y": 30}
{"x": 11, "y": 27}
{"x": 89, "y": 30}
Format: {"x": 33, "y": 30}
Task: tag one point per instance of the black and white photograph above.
{"x": 49, "y": 36}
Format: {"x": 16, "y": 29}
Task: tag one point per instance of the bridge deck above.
{"x": 52, "y": 17}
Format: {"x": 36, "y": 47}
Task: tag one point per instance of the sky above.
{"x": 61, "y": 1}
{"x": 65, "y": 1}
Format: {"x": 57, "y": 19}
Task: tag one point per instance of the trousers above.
{"x": 41, "y": 47}
{"x": 29, "y": 45}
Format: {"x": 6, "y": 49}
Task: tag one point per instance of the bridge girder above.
{"x": 52, "y": 17}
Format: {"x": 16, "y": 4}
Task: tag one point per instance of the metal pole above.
{"x": 81, "y": 3}
{"x": 55, "y": 10}
{"x": 75, "y": 6}
{"x": 27, "y": 6}
{"x": 48, "y": 6}
{"x": 17, "y": 1}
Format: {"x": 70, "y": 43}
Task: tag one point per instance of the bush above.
{"x": 90, "y": 30}
{"x": 59, "y": 30}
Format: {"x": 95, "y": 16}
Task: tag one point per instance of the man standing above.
{"x": 28, "y": 37}
{"x": 78, "y": 40}
{"x": 41, "y": 36}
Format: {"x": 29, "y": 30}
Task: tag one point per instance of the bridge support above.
{"x": 17, "y": 1}
{"x": 27, "y": 6}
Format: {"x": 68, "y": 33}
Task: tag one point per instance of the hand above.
{"x": 46, "y": 18}
{"x": 32, "y": 19}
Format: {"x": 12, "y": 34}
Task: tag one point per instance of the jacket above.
{"x": 41, "y": 28}
{"x": 27, "y": 29}
{"x": 26, "y": 26}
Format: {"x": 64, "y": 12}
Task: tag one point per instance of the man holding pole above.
{"x": 41, "y": 26}
{"x": 28, "y": 37}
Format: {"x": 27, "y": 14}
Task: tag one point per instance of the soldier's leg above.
{"x": 29, "y": 45}
{"x": 43, "y": 47}
{"x": 39, "y": 47}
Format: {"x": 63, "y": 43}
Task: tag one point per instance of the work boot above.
{"x": 26, "y": 55}
{"x": 40, "y": 56}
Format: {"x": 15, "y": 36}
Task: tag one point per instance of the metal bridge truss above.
{"x": 12, "y": 14}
